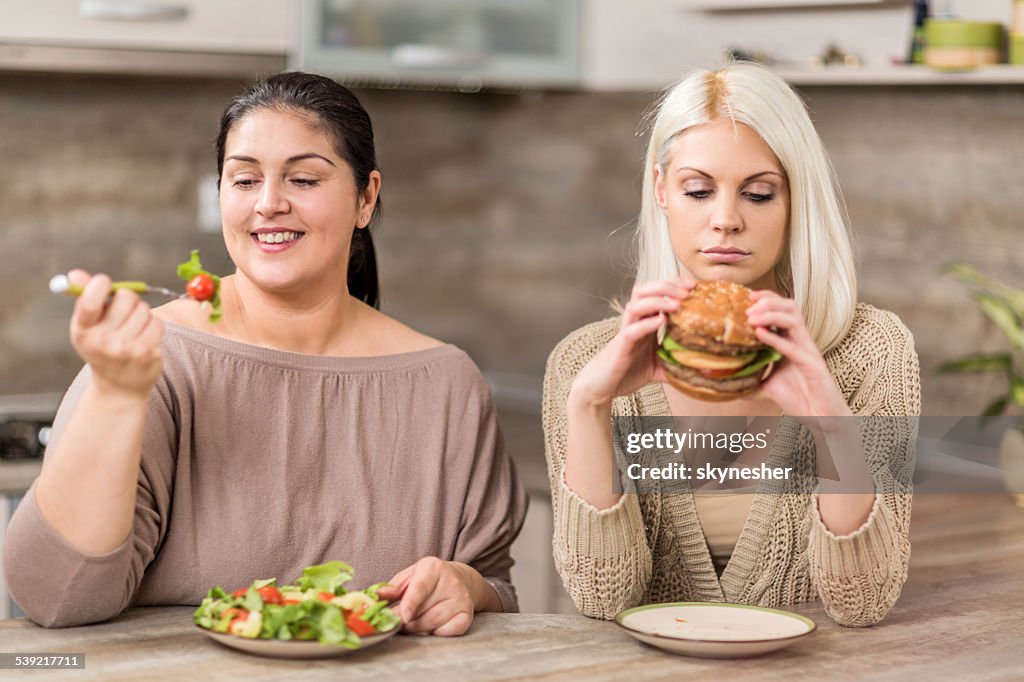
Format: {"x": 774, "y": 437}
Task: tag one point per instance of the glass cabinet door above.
{"x": 443, "y": 42}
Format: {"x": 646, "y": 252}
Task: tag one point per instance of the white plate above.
{"x": 279, "y": 648}
{"x": 714, "y": 630}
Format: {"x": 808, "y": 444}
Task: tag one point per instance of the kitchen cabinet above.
{"x": 177, "y": 37}
{"x": 240, "y": 26}
{"x": 456, "y": 44}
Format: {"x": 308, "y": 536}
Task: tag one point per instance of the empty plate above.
{"x": 714, "y": 630}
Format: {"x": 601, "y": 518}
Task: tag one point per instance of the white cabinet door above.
{"x": 239, "y": 26}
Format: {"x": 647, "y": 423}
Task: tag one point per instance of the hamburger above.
{"x": 710, "y": 351}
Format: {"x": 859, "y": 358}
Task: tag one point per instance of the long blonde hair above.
{"x": 818, "y": 269}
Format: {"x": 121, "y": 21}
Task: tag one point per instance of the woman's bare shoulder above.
{"x": 392, "y": 337}
{"x": 184, "y": 313}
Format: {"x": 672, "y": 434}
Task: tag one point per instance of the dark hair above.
{"x": 338, "y": 111}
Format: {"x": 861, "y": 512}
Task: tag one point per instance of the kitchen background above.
{"x": 508, "y": 204}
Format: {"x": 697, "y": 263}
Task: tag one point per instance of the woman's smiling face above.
{"x": 289, "y": 202}
{"x": 726, "y": 197}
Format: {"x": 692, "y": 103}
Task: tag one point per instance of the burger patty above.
{"x": 710, "y": 345}
{"x": 695, "y": 378}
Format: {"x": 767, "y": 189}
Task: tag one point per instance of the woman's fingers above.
{"x": 397, "y": 585}
{"x": 91, "y": 303}
{"x": 120, "y": 308}
{"x": 79, "y": 277}
{"x": 151, "y": 335}
{"x": 782, "y": 314}
{"x": 790, "y": 349}
{"x": 444, "y": 617}
{"x": 117, "y": 335}
{"x": 651, "y": 298}
{"x": 456, "y": 625}
{"x": 641, "y": 329}
{"x": 640, "y": 308}
{"x": 422, "y": 583}
{"x": 677, "y": 288}
{"x": 776, "y": 318}
{"x": 135, "y": 321}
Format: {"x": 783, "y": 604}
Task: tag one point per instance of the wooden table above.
{"x": 961, "y": 617}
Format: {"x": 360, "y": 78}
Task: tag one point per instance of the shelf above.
{"x": 744, "y": 5}
{"x": 904, "y": 75}
{"x": 64, "y": 59}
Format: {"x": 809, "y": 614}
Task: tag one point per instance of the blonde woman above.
{"x": 737, "y": 187}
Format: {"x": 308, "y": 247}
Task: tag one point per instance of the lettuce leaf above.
{"x": 326, "y": 577}
{"x": 764, "y": 357}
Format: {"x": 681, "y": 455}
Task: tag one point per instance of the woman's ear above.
{"x": 659, "y": 187}
{"x": 368, "y": 199}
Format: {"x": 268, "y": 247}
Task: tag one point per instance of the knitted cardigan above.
{"x": 649, "y": 548}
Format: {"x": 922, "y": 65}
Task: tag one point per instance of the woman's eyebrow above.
{"x": 290, "y": 159}
{"x": 310, "y": 155}
{"x": 710, "y": 177}
{"x": 769, "y": 172}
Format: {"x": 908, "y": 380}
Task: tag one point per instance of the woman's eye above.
{"x": 243, "y": 183}
{"x": 698, "y": 194}
{"x": 306, "y": 182}
{"x": 758, "y": 198}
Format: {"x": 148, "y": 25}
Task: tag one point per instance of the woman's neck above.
{"x": 315, "y": 323}
{"x": 680, "y": 404}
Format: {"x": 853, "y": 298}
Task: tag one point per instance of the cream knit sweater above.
{"x": 649, "y": 548}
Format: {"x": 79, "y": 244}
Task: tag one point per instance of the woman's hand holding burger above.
{"x": 624, "y": 365}
{"x": 628, "y": 362}
{"x": 803, "y": 386}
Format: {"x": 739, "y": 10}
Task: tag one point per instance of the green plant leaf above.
{"x": 976, "y": 363}
{"x": 1017, "y": 390}
{"x": 1003, "y": 315}
{"x": 996, "y": 407}
{"x": 968, "y": 274}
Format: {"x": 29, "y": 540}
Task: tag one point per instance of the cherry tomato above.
{"x": 240, "y": 592}
{"x": 325, "y": 596}
{"x": 270, "y": 594}
{"x": 234, "y": 613}
{"x": 201, "y": 288}
{"x": 358, "y": 625}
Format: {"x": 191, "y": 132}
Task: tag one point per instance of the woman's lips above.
{"x": 267, "y": 247}
{"x": 724, "y": 256}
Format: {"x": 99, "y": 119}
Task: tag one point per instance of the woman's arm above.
{"x": 600, "y": 544}
{"x": 85, "y": 498}
{"x": 87, "y": 486}
{"x": 601, "y": 555}
{"x": 859, "y": 544}
{"x": 859, "y": 573}
{"x": 441, "y": 597}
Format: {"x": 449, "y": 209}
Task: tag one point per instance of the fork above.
{"x": 60, "y": 284}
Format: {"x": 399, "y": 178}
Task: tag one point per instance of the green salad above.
{"x": 316, "y": 607}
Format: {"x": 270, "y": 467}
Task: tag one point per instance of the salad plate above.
{"x": 714, "y": 630}
{"x": 294, "y": 649}
{"x": 314, "y": 617}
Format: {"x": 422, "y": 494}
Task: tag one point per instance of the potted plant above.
{"x": 1004, "y": 305}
